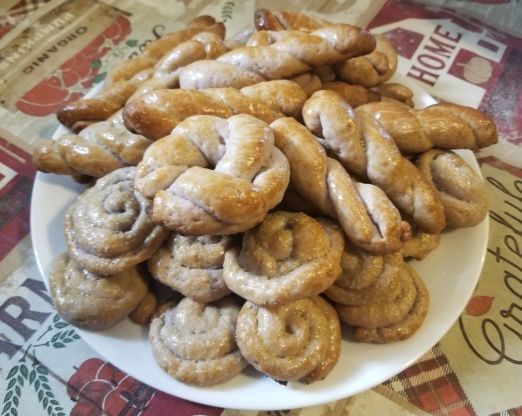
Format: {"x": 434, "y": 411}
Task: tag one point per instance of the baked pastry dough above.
{"x": 213, "y": 176}
{"x": 92, "y": 301}
{"x": 192, "y": 266}
{"x": 460, "y": 188}
{"x": 365, "y": 149}
{"x": 297, "y": 341}
{"x": 195, "y": 342}
{"x": 420, "y": 245}
{"x": 288, "y": 256}
{"x": 357, "y": 95}
{"x": 107, "y": 229}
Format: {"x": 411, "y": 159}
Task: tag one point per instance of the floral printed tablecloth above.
{"x": 52, "y": 52}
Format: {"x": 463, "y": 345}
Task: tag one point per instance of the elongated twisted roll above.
{"x": 297, "y": 341}
{"x": 107, "y": 229}
{"x": 366, "y": 150}
{"x": 285, "y": 54}
{"x": 91, "y": 301}
{"x": 192, "y": 266}
{"x": 446, "y": 126}
{"x": 368, "y": 218}
{"x": 289, "y": 256}
{"x": 96, "y": 151}
{"x": 357, "y": 95}
{"x": 213, "y": 176}
{"x": 460, "y": 188}
{"x": 194, "y": 342}
{"x": 155, "y": 114}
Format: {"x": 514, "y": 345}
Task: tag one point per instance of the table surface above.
{"x": 45, "y": 367}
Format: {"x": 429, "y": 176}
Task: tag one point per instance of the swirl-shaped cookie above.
{"x": 107, "y": 229}
{"x": 213, "y": 176}
{"x": 289, "y": 256}
{"x": 420, "y": 245}
{"x": 195, "y": 342}
{"x": 297, "y": 341}
{"x": 460, "y": 187}
{"x": 192, "y": 266}
{"x": 92, "y": 301}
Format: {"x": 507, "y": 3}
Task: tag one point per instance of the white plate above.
{"x": 451, "y": 273}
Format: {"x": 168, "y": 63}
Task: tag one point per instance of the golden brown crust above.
{"x": 143, "y": 312}
{"x": 420, "y": 245}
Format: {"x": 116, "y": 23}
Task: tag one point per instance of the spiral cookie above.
{"x": 192, "y": 266}
{"x": 390, "y": 321}
{"x": 107, "y": 229}
{"x": 289, "y": 256}
{"x": 213, "y": 176}
{"x": 297, "y": 341}
{"x": 420, "y": 245}
{"x": 460, "y": 188}
{"x": 91, "y": 301}
{"x": 194, "y": 342}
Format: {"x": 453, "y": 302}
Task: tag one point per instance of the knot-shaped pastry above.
{"x": 213, "y": 176}
{"x": 460, "y": 187}
{"x": 289, "y": 256}
{"x": 278, "y": 55}
{"x": 96, "y": 151}
{"x": 392, "y": 320}
{"x": 192, "y": 266}
{"x": 367, "y": 216}
{"x": 195, "y": 342}
{"x": 365, "y": 149}
{"x": 297, "y": 341}
{"x": 156, "y": 113}
{"x": 107, "y": 229}
{"x": 92, "y": 301}
{"x": 446, "y": 126}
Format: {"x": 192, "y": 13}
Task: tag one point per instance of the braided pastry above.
{"x": 366, "y": 150}
{"x": 192, "y": 266}
{"x": 289, "y": 256}
{"x": 96, "y": 151}
{"x": 357, "y": 95}
{"x": 107, "y": 229}
{"x": 92, "y": 301}
{"x": 460, "y": 188}
{"x": 279, "y": 55}
{"x": 213, "y": 176}
{"x": 155, "y": 114}
{"x": 367, "y": 216}
{"x": 297, "y": 341}
{"x": 447, "y": 126}
{"x": 194, "y": 342}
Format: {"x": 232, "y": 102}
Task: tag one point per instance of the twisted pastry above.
{"x": 91, "y": 301}
{"x": 213, "y": 176}
{"x": 368, "y": 70}
{"x": 447, "y": 126}
{"x": 420, "y": 245}
{"x": 297, "y": 341}
{"x": 194, "y": 342}
{"x": 366, "y": 150}
{"x": 155, "y": 114}
{"x": 96, "y": 151}
{"x": 460, "y": 188}
{"x": 357, "y": 95}
{"x": 289, "y": 256}
{"x": 365, "y": 213}
{"x": 192, "y": 266}
{"x": 107, "y": 229}
{"x": 279, "y": 55}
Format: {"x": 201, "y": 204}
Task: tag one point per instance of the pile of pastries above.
{"x": 248, "y": 196}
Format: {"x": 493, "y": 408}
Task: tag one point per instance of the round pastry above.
{"x": 192, "y": 266}
{"x": 420, "y": 245}
{"x": 297, "y": 341}
{"x": 194, "y": 342}
{"x": 289, "y": 256}
{"x": 108, "y": 229}
{"x": 91, "y": 301}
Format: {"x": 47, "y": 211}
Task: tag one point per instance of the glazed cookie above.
{"x": 289, "y": 256}
{"x": 91, "y": 301}
{"x": 420, "y": 245}
{"x": 195, "y": 342}
{"x": 298, "y": 341}
{"x": 192, "y": 266}
{"x": 108, "y": 229}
